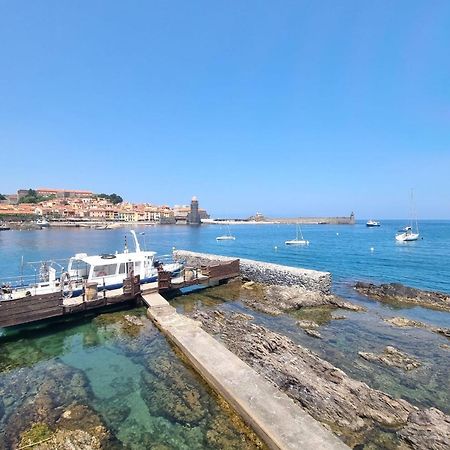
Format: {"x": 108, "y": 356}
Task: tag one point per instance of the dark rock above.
{"x": 396, "y": 292}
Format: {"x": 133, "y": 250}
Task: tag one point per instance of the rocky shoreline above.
{"x": 275, "y": 299}
{"x": 398, "y": 293}
{"x": 350, "y": 408}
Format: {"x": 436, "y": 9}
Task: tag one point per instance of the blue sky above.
{"x": 288, "y": 108}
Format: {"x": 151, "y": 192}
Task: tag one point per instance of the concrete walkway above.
{"x": 278, "y": 421}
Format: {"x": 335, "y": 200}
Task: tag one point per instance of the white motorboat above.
{"x": 408, "y": 234}
{"x": 373, "y": 223}
{"x": 226, "y": 237}
{"x": 43, "y": 223}
{"x": 107, "y": 270}
{"x": 299, "y": 239}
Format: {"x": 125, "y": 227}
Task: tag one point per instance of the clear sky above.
{"x": 287, "y": 108}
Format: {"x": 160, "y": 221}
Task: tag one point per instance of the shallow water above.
{"x": 132, "y": 378}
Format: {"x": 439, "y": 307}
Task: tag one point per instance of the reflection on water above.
{"x": 128, "y": 376}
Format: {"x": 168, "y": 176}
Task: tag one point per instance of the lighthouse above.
{"x": 193, "y": 217}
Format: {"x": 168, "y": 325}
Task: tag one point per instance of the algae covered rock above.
{"x": 38, "y": 433}
{"x": 167, "y": 393}
{"x": 392, "y": 357}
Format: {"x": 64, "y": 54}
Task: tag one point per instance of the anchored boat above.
{"x": 373, "y": 223}
{"x": 107, "y": 270}
{"x": 408, "y": 234}
{"x": 299, "y": 240}
{"x": 226, "y": 237}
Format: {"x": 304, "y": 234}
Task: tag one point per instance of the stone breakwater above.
{"x": 267, "y": 273}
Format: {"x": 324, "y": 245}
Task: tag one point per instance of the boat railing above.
{"x": 165, "y": 259}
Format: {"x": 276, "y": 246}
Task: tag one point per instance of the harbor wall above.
{"x": 264, "y": 272}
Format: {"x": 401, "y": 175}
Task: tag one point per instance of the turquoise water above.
{"x": 128, "y": 377}
{"x": 343, "y": 250}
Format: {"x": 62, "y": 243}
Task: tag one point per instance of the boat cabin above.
{"x": 110, "y": 266}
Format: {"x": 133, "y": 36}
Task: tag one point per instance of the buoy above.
{"x": 337, "y": 234}
{"x": 276, "y": 248}
{"x": 372, "y": 249}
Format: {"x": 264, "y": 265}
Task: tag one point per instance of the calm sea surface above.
{"x": 348, "y": 252}
{"x": 134, "y": 381}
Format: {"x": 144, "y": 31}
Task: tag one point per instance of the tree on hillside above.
{"x": 2, "y": 197}
{"x": 113, "y": 198}
{"x": 33, "y": 197}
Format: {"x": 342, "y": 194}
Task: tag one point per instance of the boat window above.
{"x": 137, "y": 266}
{"x": 105, "y": 270}
{"x": 122, "y": 268}
{"x": 79, "y": 268}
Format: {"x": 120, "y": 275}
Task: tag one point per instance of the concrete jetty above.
{"x": 263, "y": 272}
{"x": 278, "y": 421}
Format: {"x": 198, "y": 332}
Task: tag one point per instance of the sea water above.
{"x": 349, "y": 252}
{"x": 130, "y": 377}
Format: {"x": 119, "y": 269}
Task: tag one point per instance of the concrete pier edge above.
{"x": 279, "y": 422}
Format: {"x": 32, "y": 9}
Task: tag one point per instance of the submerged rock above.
{"x": 307, "y": 324}
{"x": 133, "y": 320}
{"x": 167, "y": 393}
{"x": 403, "y": 322}
{"x": 392, "y": 357}
{"x": 396, "y": 292}
{"x": 313, "y": 333}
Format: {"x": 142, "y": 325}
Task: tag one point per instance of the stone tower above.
{"x": 193, "y": 217}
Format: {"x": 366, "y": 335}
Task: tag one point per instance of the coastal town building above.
{"x": 84, "y": 206}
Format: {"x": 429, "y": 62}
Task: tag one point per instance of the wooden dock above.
{"x": 41, "y": 307}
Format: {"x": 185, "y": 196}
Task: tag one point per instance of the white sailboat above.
{"x": 408, "y": 233}
{"x": 226, "y": 237}
{"x": 299, "y": 240}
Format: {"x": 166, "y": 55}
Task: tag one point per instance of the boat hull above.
{"x": 407, "y": 237}
{"x": 297, "y": 242}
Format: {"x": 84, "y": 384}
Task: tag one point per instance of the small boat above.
{"x": 226, "y": 237}
{"x": 4, "y": 227}
{"x": 408, "y": 234}
{"x": 108, "y": 271}
{"x": 373, "y": 223}
{"x": 43, "y": 223}
{"x": 299, "y": 240}
{"x": 102, "y": 227}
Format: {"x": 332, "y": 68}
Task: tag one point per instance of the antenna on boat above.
{"x": 125, "y": 250}
{"x": 136, "y": 242}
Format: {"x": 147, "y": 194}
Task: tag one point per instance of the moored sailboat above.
{"x": 408, "y": 233}
{"x": 226, "y": 237}
{"x": 299, "y": 239}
